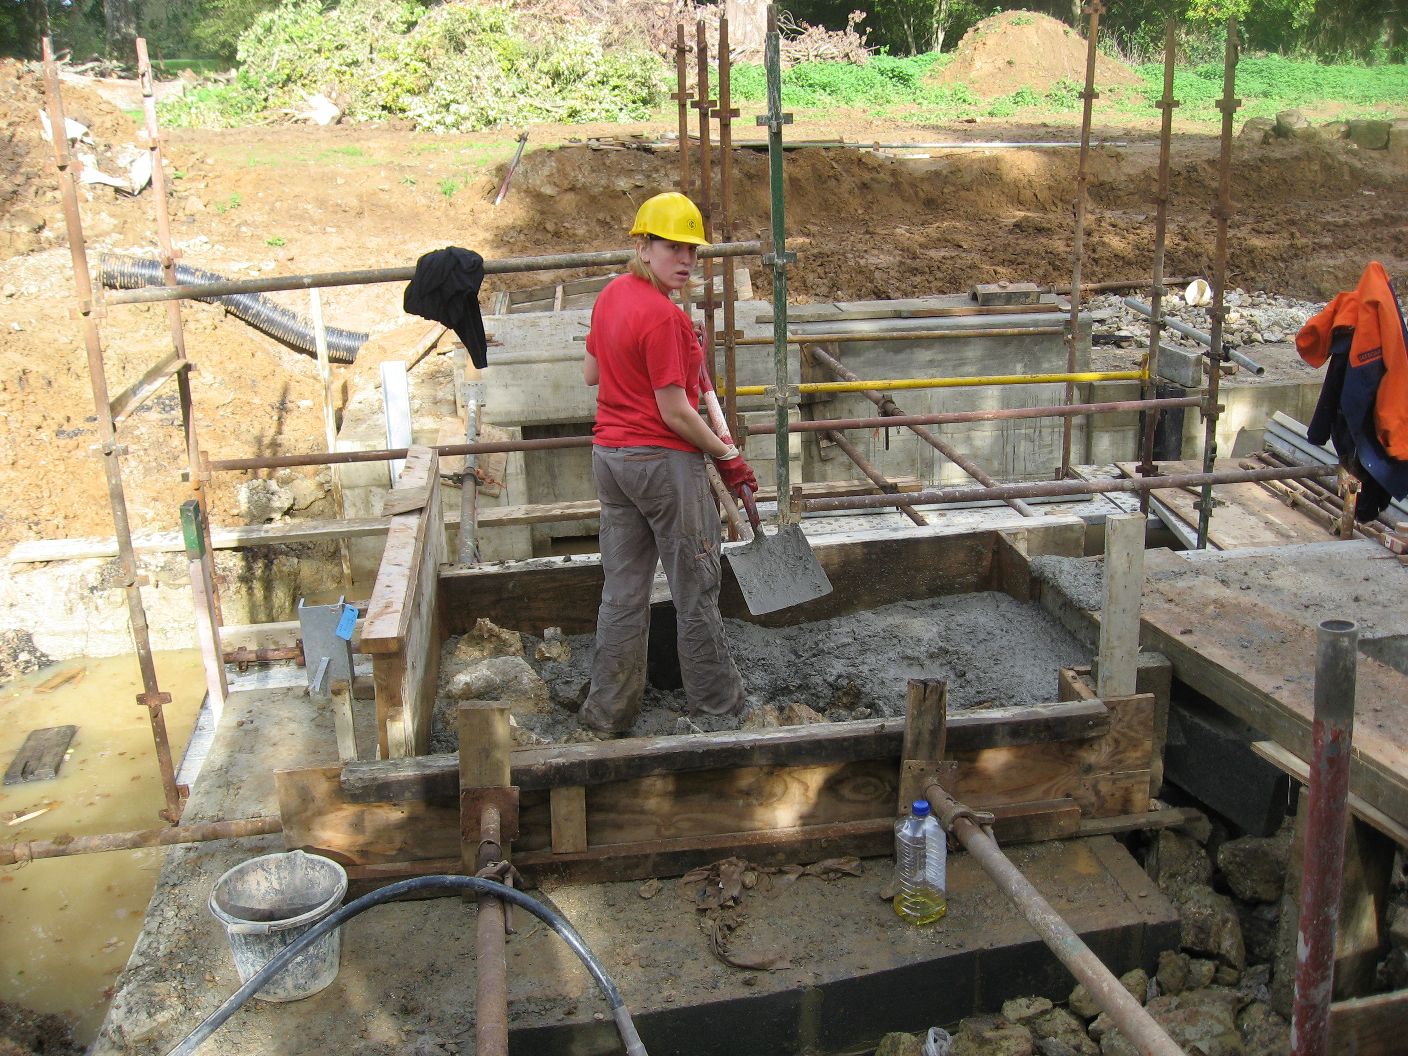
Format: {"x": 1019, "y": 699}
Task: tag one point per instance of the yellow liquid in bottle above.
{"x": 923, "y": 906}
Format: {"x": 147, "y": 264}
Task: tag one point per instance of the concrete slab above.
{"x": 407, "y": 972}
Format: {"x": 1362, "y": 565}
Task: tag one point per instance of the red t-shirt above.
{"x": 641, "y": 342}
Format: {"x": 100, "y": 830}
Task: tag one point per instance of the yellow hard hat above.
{"x": 670, "y": 216}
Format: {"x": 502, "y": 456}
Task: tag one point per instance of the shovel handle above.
{"x": 746, "y": 494}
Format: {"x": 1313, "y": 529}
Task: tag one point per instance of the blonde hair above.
{"x": 640, "y": 269}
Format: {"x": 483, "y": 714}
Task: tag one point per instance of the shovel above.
{"x": 773, "y": 572}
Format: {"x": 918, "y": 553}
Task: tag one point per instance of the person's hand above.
{"x": 736, "y": 473}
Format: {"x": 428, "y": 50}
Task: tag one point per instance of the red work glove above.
{"x": 736, "y": 474}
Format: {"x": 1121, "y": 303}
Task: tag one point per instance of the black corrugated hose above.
{"x": 554, "y": 920}
{"x": 131, "y": 273}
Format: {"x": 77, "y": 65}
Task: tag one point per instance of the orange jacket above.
{"x": 1371, "y": 311}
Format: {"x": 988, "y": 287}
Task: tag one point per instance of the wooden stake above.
{"x": 1119, "y": 616}
{"x": 925, "y": 736}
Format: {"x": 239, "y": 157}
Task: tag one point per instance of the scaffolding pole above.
{"x": 1222, "y": 212}
{"x": 1063, "y": 488}
{"x": 1089, "y": 95}
{"x": 1166, "y": 106}
{"x": 820, "y": 425}
{"x": 152, "y": 698}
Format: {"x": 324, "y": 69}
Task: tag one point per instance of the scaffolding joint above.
{"x": 774, "y": 124}
{"x": 776, "y": 260}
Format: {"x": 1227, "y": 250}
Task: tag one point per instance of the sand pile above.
{"x": 1023, "y": 49}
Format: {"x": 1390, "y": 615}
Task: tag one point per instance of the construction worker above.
{"x": 649, "y": 445}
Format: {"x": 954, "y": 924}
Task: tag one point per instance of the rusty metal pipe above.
{"x": 908, "y": 335}
{"x": 1222, "y": 213}
{"x": 706, "y": 191}
{"x": 1322, "y": 868}
{"x": 1064, "y": 487}
{"x": 681, "y": 95}
{"x": 1088, "y": 96}
{"x": 506, "y": 266}
{"x": 334, "y": 458}
{"x": 1133, "y": 1021}
{"x": 166, "y": 836}
{"x": 726, "y": 116}
{"x": 491, "y": 994}
{"x": 874, "y": 475}
{"x": 1166, "y": 105}
{"x": 890, "y": 409}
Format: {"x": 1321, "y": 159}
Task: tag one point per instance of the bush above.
{"x": 458, "y": 67}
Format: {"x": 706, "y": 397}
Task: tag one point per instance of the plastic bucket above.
{"x": 268, "y": 902}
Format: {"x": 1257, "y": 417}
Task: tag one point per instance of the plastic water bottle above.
{"x": 916, "y": 900}
{"x": 936, "y": 857}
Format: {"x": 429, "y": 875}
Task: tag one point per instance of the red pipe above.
{"x": 1322, "y": 860}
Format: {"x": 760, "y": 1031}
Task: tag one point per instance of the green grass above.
{"x": 1271, "y": 83}
{"x": 896, "y": 89}
{"x": 198, "y": 66}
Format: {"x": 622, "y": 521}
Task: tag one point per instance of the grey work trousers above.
{"x": 656, "y": 503}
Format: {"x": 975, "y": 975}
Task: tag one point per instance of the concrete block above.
{"x": 1209, "y": 755}
{"x": 1369, "y": 134}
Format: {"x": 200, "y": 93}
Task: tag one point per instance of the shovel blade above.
{"x": 777, "y": 571}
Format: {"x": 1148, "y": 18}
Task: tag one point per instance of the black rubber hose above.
{"x": 550, "y": 917}
{"x": 131, "y": 273}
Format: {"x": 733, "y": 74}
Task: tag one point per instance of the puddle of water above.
{"x": 67, "y": 925}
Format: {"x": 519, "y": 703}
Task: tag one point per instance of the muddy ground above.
{"x": 288, "y": 199}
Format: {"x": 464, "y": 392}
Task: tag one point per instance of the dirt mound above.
{"x": 28, "y": 199}
{"x": 1024, "y": 49}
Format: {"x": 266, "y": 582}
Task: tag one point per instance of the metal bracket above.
{"x": 154, "y": 702}
{"x": 472, "y": 804}
{"x": 774, "y": 126}
{"x": 785, "y": 257}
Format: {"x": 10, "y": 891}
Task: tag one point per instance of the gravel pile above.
{"x": 1252, "y": 319}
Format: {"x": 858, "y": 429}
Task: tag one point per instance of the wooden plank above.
{"x": 484, "y": 725}
{"x": 1298, "y": 768}
{"x": 486, "y": 739}
{"x": 41, "y": 755}
{"x": 1162, "y": 818}
{"x": 403, "y": 630}
{"x": 341, "y": 693}
{"x": 435, "y": 776}
{"x": 389, "y": 611}
{"x": 1055, "y": 819}
{"x": 1369, "y": 1026}
{"x": 1123, "y": 584}
{"x": 741, "y": 799}
{"x": 866, "y": 569}
{"x": 925, "y": 735}
{"x": 130, "y": 400}
{"x": 871, "y": 838}
{"x": 1245, "y": 515}
{"x": 1264, "y": 674}
{"x": 643, "y": 815}
{"x": 1106, "y": 775}
{"x": 569, "y": 818}
{"x": 316, "y": 817}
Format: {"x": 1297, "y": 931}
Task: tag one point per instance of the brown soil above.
{"x": 1024, "y": 49}
{"x": 27, "y": 1033}
{"x": 278, "y": 200}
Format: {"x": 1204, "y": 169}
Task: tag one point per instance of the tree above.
{"x": 120, "y": 25}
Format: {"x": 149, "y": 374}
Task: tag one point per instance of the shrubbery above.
{"x": 457, "y": 67}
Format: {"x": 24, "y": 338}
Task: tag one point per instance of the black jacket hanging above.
{"x": 445, "y": 288}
